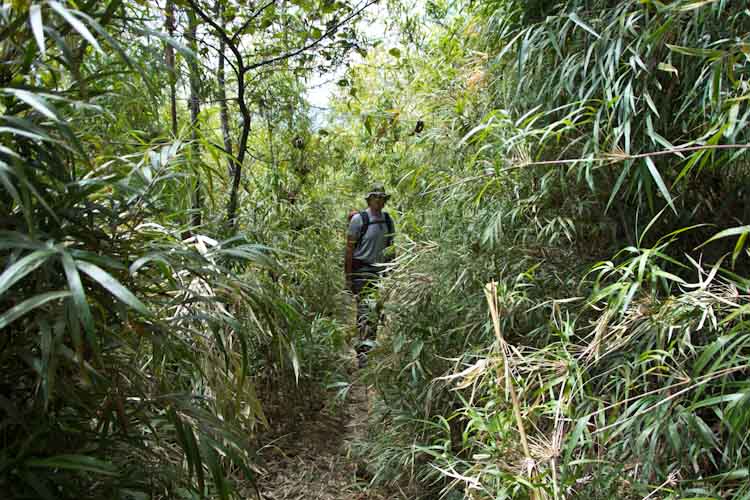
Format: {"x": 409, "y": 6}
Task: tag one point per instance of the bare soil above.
{"x": 315, "y": 461}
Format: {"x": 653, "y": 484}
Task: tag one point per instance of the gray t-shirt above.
{"x": 371, "y": 248}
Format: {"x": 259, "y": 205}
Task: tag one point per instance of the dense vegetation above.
{"x": 567, "y": 317}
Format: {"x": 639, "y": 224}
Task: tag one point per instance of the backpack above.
{"x": 366, "y": 224}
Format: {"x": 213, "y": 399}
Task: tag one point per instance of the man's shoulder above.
{"x": 356, "y": 221}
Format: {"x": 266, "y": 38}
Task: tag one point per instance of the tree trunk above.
{"x": 241, "y": 70}
{"x": 169, "y": 54}
{"x": 195, "y": 110}
{"x": 232, "y": 208}
{"x": 223, "y": 105}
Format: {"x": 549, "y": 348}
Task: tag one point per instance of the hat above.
{"x": 378, "y": 189}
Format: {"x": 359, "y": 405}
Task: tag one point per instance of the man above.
{"x": 367, "y": 251}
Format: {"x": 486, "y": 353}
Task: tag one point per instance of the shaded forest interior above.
{"x": 565, "y": 317}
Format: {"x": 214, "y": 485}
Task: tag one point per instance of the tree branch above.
{"x": 222, "y": 34}
{"x": 313, "y": 43}
{"x": 251, "y": 19}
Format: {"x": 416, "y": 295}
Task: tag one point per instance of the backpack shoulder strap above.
{"x": 365, "y": 223}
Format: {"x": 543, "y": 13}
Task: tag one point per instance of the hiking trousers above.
{"x": 364, "y": 285}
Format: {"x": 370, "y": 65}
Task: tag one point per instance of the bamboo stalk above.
{"x": 490, "y": 291}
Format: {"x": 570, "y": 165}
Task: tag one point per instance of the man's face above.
{"x": 376, "y": 202}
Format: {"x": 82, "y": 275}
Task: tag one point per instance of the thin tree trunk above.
{"x": 171, "y": 65}
{"x": 195, "y": 110}
{"x": 241, "y": 70}
{"x": 232, "y": 208}
{"x": 223, "y": 106}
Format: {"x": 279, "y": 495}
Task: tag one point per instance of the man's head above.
{"x": 377, "y": 196}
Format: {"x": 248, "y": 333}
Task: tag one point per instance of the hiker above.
{"x": 369, "y": 237}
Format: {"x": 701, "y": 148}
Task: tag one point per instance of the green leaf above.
{"x": 738, "y": 247}
{"x": 474, "y": 131}
{"x": 113, "y": 286}
{"x": 79, "y": 295}
{"x": 695, "y": 5}
{"x": 212, "y": 459}
{"x": 81, "y": 463}
{"x": 668, "y": 68}
{"x": 35, "y": 18}
{"x": 572, "y": 442}
{"x": 19, "y": 310}
{"x": 574, "y": 17}
{"x": 660, "y": 183}
{"x": 650, "y": 103}
{"x": 27, "y": 134}
{"x": 734, "y": 231}
{"x": 23, "y": 267}
{"x": 8, "y": 184}
{"x": 76, "y": 24}
{"x": 33, "y": 100}
{"x": 395, "y": 52}
{"x": 690, "y": 51}
{"x": 734, "y": 111}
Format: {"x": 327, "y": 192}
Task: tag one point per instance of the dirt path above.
{"x": 315, "y": 461}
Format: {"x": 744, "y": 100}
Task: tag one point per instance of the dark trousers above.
{"x": 364, "y": 284}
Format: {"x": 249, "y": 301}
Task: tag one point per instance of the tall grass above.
{"x": 550, "y": 168}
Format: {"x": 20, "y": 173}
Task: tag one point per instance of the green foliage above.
{"x": 133, "y": 346}
{"x": 590, "y": 157}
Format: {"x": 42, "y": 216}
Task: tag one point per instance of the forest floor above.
{"x": 316, "y": 459}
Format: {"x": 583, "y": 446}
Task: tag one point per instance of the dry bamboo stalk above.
{"x": 490, "y": 291}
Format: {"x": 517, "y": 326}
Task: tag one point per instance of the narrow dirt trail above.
{"x": 315, "y": 461}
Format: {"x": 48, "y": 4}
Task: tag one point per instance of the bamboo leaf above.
{"x": 738, "y": 247}
{"x": 734, "y": 112}
{"x": 37, "y": 27}
{"x": 76, "y": 24}
{"x": 474, "y": 131}
{"x": 734, "y": 231}
{"x": 574, "y": 17}
{"x": 107, "y": 281}
{"x": 33, "y": 100}
{"x": 80, "y": 463}
{"x": 695, "y": 5}
{"x": 696, "y": 52}
{"x": 27, "y": 305}
{"x": 668, "y": 68}
{"x": 23, "y": 267}
{"x": 656, "y": 176}
{"x": 79, "y": 295}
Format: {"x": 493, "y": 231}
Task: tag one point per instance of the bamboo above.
{"x": 490, "y": 291}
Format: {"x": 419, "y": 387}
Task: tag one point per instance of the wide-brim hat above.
{"x": 378, "y": 189}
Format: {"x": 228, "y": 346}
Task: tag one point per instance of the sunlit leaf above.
{"x": 112, "y": 285}
{"x": 76, "y": 24}
{"x": 35, "y": 18}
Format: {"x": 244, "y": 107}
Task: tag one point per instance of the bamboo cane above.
{"x": 490, "y": 291}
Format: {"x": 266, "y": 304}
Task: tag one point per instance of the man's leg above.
{"x": 364, "y": 287}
